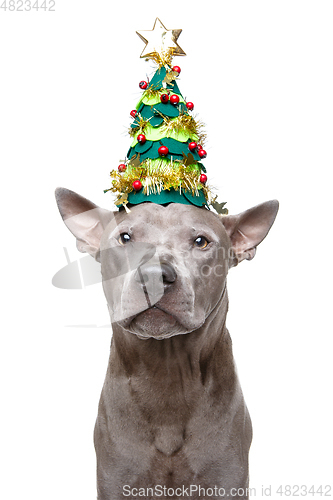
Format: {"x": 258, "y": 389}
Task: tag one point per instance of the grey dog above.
{"x": 172, "y": 421}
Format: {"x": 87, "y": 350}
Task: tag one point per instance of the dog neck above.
{"x": 159, "y": 379}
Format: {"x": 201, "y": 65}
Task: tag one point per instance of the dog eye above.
{"x": 124, "y": 238}
{"x": 200, "y": 242}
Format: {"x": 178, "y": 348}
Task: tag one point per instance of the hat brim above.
{"x": 167, "y": 196}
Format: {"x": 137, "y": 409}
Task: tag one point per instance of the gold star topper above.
{"x": 161, "y": 43}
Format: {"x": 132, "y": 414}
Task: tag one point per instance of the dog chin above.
{"x": 155, "y": 323}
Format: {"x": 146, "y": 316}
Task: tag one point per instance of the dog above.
{"x": 172, "y": 421}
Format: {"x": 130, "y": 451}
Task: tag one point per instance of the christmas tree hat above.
{"x": 164, "y": 161}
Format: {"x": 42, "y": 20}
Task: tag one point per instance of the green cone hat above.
{"x": 164, "y": 161}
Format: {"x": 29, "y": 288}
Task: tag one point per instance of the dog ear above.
{"x": 248, "y": 229}
{"x": 84, "y": 219}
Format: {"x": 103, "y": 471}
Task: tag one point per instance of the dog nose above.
{"x": 168, "y": 273}
{"x": 163, "y": 272}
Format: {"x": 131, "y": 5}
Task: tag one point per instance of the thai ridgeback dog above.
{"x": 172, "y": 421}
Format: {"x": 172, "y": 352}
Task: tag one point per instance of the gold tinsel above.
{"x": 141, "y": 124}
{"x": 163, "y": 58}
{"x": 182, "y": 123}
{"x": 185, "y": 123}
{"x": 152, "y": 92}
{"x": 157, "y": 175}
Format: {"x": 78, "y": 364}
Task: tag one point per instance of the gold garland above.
{"x": 185, "y": 123}
{"x": 158, "y": 175}
{"x": 182, "y": 123}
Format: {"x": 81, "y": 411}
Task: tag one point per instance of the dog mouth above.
{"x": 160, "y": 313}
{"x": 157, "y": 307}
{"x": 154, "y": 322}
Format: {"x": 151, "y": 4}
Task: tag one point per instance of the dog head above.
{"x": 164, "y": 268}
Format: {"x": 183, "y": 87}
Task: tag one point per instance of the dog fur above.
{"x": 171, "y": 411}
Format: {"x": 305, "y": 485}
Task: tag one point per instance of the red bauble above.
{"x": 141, "y": 138}
{"x": 174, "y": 99}
{"x": 203, "y": 178}
{"x": 202, "y": 153}
{"x": 190, "y": 106}
{"x": 176, "y": 68}
{"x": 164, "y": 98}
{"x": 122, "y": 167}
{"x": 163, "y": 151}
{"x": 137, "y": 185}
{"x": 143, "y": 85}
{"x": 133, "y": 113}
{"x": 192, "y": 146}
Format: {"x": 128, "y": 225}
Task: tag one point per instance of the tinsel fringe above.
{"x": 157, "y": 175}
{"x": 182, "y": 123}
{"x": 187, "y": 124}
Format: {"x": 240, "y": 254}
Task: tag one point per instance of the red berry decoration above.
{"x": 174, "y": 99}
{"x": 141, "y": 138}
{"x": 203, "y": 178}
{"x": 202, "y": 153}
{"x": 177, "y": 69}
{"x": 137, "y": 185}
{"x": 163, "y": 151}
{"x": 190, "y": 106}
{"x": 133, "y": 113}
{"x": 122, "y": 167}
{"x": 143, "y": 85}
{"x": 192, "y": 146}
{"x": 164, "y": 98}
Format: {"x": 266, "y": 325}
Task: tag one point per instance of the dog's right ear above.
{"x": 84, "y": 219}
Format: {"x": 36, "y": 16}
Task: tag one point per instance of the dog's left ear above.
{"x": 84, "y": 219}
{"x": 248, "y": 229}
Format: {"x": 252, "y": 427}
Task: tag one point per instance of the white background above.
{"x": 260, "y": 76}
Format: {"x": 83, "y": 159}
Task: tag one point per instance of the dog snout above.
{"x": 168, "y": 273}
{"x": 152, "y": 273}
